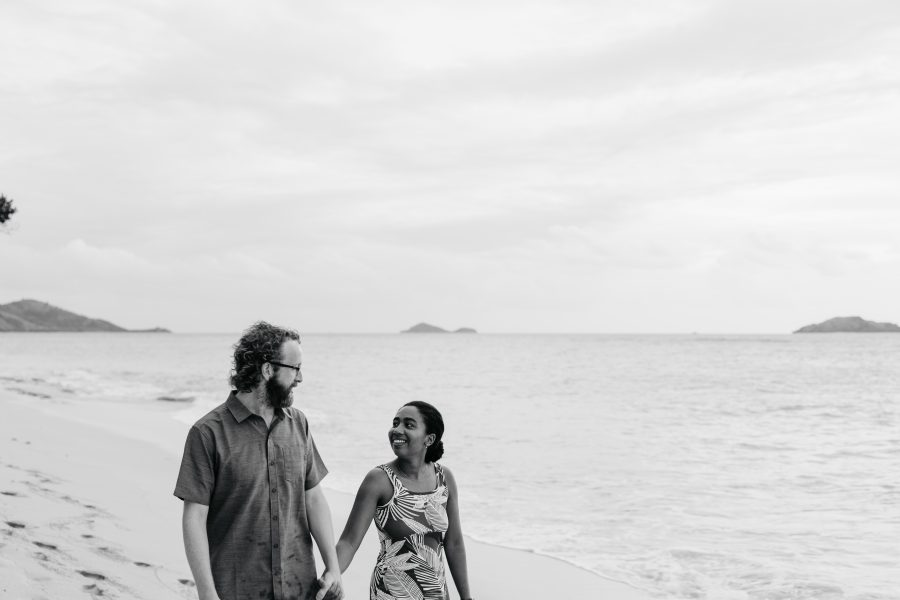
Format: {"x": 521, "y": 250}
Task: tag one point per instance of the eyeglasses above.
{"x": 284, "y": 365}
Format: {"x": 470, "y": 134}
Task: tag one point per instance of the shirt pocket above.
{"x": 293, "y": 464}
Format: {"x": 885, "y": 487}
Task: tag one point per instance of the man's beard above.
{"x": 278, "y": 395}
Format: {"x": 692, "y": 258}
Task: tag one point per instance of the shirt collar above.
{"x": 237, "y": 408}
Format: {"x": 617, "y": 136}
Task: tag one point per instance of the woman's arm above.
{"x": 454, "y": 546}
{"x": 375, "y": 489}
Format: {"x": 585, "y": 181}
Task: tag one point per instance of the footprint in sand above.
{"x": 45, "y": 546}
{"x": 142, "y": 564}
{"x": 42, "y": 477}
{"x": 104, "y": 586}
{"x": 48, "y": 492}
{"x": 6, "y": 493}
{"x": 16, "y": 524}
{"x": 187, "y": 582}
{"x": 91, "y": 575}
{"x": 111, "y": 553}
{"x": 94, "y": 590}
{"x": 30, "y": 393}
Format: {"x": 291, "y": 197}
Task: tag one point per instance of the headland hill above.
{"x": 428, "y": 328}
{"x": 849, "y": 325}
{"x": 36, "y": 316}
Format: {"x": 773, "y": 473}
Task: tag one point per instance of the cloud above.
{"x": 111, "y": 260}
{"x": 513, "y": 166}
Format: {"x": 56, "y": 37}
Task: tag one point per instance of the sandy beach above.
{"x": 88, "y": 511}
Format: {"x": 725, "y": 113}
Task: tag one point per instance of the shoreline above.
{"x": 121, "y": 537}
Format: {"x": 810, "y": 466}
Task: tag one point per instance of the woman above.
{"x": 414, "y": 504}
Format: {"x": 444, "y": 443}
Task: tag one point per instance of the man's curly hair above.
{"x": 261, "y": 342}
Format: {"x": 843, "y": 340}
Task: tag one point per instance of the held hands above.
{"x": 330, "y": 587}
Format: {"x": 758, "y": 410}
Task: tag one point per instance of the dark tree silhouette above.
{"x": 6, "y": 209}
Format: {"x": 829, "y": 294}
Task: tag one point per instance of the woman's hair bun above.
{"x": 435, "y": 451}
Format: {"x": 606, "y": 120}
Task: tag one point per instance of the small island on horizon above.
{"x": 428, "y": 328}
{"x": 36, "y": 316}
{"x": 849, "y": 325}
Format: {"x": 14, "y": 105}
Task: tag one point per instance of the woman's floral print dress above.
{"x": 411, "y": 527}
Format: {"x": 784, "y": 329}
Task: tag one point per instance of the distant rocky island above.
{"x": 428, "y": 328}
{"x": 37, "y": 316}
{"x": 849, "y": 325}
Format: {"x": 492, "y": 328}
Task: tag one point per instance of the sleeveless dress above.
{"x": 411, "y": 529}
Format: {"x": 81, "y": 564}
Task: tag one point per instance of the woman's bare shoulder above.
{"x": 378, "y": 483}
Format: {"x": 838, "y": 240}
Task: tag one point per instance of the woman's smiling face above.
{"x": 407, "y": 435}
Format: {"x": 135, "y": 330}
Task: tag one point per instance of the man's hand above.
{"x": 330, "y": 587}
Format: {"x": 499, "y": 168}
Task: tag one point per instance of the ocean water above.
{"x": 695, "y": 466}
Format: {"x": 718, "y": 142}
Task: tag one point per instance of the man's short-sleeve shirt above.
{"x": 254, "y": 480}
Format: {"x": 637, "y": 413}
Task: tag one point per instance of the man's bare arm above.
{"x": 319, "y": 516}
{"x": 196, "y": 546}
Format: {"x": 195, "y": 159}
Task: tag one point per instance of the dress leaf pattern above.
{"x": 436, "y": 514}
{"x": 416, "y": 526}
{"x": 401, "y": 585}
{"x": 411, "y": 529}
{"x": 431, "y": 577}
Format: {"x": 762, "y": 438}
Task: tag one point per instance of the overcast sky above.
{"x": 520, "y": 166}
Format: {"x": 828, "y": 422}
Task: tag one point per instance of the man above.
{"x": 250, "y": 479}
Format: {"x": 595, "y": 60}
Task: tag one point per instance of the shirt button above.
{"x": 275, "y": 518}
{"x": 274, "y": 491}
{"x": 276, "y": 545}
{"x": 272, "y": 462}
